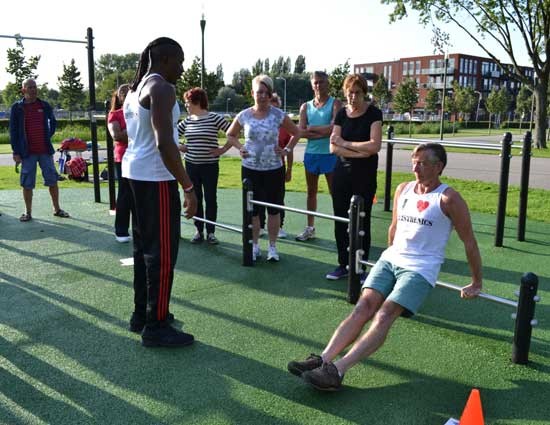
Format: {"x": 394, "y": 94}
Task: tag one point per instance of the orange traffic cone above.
{"x": 473, "y": 413}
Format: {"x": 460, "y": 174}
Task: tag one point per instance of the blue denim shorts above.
{"x": 318, "y": 163}
{"x": 404, "y": 287}
{"x": 28, "y": 170}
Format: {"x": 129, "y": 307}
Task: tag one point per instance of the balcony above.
{"x": 439, "y": 86}
{"x": 438, "y": 71}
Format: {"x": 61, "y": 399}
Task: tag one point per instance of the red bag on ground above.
{"x": 73, "y": 144}
{"x": 77, "y": 168}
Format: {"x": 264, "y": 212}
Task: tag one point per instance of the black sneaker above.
{"x": 312, "y": 362}
{"x": 137, "y": 322}
{"x": 165, "y": 336}
{"x": 197, "y": 238}
{"x": 324, "y": 378}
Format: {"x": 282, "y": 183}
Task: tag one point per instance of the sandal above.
{"x": 61, "y": 213}
{"x": 25, "y": 217}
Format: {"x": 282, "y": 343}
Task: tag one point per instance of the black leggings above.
{"x": 205, "y": 182}
{"x": 343, "y": 188}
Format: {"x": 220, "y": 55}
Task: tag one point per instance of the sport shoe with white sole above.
{"x": 256, "y": 253}
{"x": 307, "y": 234}
{"x": 282, "y": 234}
{"x": 272, "y": 254}
{"x": 339, "y": 272}
{"x": 123, "y": 239}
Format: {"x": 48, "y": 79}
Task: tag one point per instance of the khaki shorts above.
{"x": 404, "y": 287}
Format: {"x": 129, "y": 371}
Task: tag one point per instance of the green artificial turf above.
{"x": 66, "y": 356}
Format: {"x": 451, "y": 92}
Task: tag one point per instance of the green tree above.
{"x": 11, "y": 93}
{"x": 336, "y": 79}
{"x": 191, "y": 78}
{"x": 300, "y": 64}
{"x": 242, "y": 81}
{"x": 287, "y": 66}
{"x": 381, "y": 93}
{"x": 497, "y": 21}
{"x": 406, "y": 98}
{"x": 523, "y": 103}
{"x": 278, "y": 67}
{"x": 70, "y": 88}
{"x": 258, "y": 67}
{"x": 497, "y": 104}
{"x": 432, "y": 100}
{"x": 219, "y": 72}
{"x": 266, "y": 66}
{"x": 465, "y": 101}
{"x": 19, "y": 66}
{"x": 111, "y": 82}
{"x": 111, "y": 63}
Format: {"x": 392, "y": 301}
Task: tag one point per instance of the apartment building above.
{"x": 482, "y": 74}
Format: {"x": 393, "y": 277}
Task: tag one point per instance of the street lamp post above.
{"x": 478, "y": 102}
{"x": 227, "y": 105}
{"x": 203, "y": 24}
{"x": 284, "y": 94}
{"x": 443, "y": 97}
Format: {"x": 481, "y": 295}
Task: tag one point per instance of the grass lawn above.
{"x": 481, "y": 196}
{"x": 66, "y": 356}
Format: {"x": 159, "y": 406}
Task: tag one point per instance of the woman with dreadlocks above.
{"x": 153, "y": 167}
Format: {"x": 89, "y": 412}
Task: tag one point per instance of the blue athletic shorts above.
{"x": 28, "y": 170}
{"x": 319, "y": 163}
{"x": 404, "y": 287}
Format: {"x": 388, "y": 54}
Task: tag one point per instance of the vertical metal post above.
{"x": 389, "y": 166}
{"x": 503, "y": 187}
{"x": 442, "y": 123}
{"x": 524, "y": 188}
{"x": 93, "y": 123}
{"x": 356, "y": 232}
{"x": 110, "y": 159}
{"x": 203, "y": 24}
{"x": 247, "y": 223}
{"x": 524, "y": 318}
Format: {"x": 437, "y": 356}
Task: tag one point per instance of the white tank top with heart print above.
{"x": 422, "y": 233}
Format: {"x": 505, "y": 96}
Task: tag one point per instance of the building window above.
{"x": 452, "y": 63}
{"x": 462, "y": 65}
{"x": 405, "y": 68}
{"x": 418, "y": 68}
{"x": 432, "y": 64}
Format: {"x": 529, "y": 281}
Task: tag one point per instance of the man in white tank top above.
{"x": 152, "y": 164}
{"x": 425, "y": 211}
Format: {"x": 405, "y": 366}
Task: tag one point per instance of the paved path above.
{"x": 460, "y": 165}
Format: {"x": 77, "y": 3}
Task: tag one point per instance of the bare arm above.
{"x": 162, "y": 97}
{"x": 336, "y": 147}
{"x": 118, "y": 134}
{"x": 456, "y": 209}
{"x": 368, "y": 147}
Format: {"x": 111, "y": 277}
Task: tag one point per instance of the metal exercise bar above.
{"x": 22, "y": 37}
{"x": 296, "y": 210}
{"x": 220, "y": 225}
{"x": 457, "y": 288}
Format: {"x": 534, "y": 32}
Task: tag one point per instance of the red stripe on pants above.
{"x": 165, "y": 257}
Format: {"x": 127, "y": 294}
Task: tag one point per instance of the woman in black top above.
{"x": 356, "y": 139}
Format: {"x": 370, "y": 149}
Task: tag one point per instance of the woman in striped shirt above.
{"x": 202, "y": 153}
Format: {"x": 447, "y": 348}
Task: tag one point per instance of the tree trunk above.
{"x": 541, "y": 112}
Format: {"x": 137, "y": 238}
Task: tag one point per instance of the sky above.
{"x": 237, "y": 33}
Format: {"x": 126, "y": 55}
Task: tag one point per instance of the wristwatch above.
{"x": 189, "y": 189}
{"x": 287, "y": 149}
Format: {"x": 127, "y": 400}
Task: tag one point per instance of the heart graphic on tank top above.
{"x": 422, "y": 205}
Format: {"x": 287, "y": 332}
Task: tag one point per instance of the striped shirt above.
{"x": 201, "y": 136}
{"x": 34, "y": 128}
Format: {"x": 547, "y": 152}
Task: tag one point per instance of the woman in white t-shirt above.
{"x": 261, "y": 157}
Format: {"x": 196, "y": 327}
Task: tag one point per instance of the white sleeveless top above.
{"x": 142, "y": 160}
{"x": 422, "y": 233}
